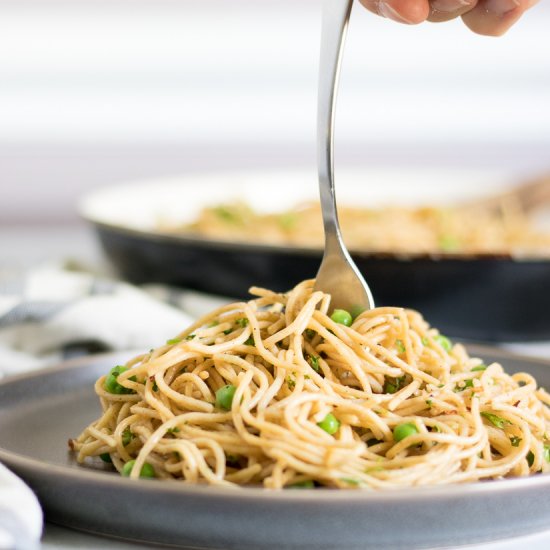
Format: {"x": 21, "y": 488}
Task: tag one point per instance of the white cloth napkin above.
{"x": 20, "y": 514}
{"x": 51, "y": 313}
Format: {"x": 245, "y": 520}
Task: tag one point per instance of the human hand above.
{"x": 489, "y": 17}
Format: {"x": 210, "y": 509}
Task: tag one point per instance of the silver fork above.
{"x": 338, "y": 274}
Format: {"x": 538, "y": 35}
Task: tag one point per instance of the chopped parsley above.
{"x": 173, "y": 341}
{"x": 307, "y": 484}
{"x": 351, "y": 481}
{"x": 127, "y": 437}
{"x": 228, "y": 215}
{"x": 313, "y": 360}
{"x": 232, "y": 460}
{"x": 288, "y": 220}
{"x": 467, "y": 384}
{"x": 449, "y": 243}
{"x": 481, "y": 367}
{"x": 515, "y": 441}
{"x": 374, "y": 469}
{"x": 242, "y": 322}
{"x": 400, "y": 346}
{"x": 496, "y": 420}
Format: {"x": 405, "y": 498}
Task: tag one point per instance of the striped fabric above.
{"x": 51, "y": 312}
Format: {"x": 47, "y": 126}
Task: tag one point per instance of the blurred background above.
{"x": 93, "y": 92}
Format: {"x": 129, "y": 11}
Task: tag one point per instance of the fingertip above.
{"x": 405, "y": 11}
{"x": 494, "y": 17}
{"x": 410, "y": 12}
{"x": 445, "y": 10}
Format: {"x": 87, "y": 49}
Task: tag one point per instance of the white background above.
{"x": 97, "y": 91}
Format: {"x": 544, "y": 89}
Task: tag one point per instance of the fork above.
{"x": 338, "y": 275}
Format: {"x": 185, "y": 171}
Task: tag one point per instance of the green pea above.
{"x": 146, "y": 470}
{"x": 127, "y": 468}
{"x": 342, "y": 317}
{"x": 330, "y": 424}
{"x": 111, "y": 382}
{"x": 394, "y": 385}
{"x": 224, "y": 397}
{"x": 401, "y": 431}
{"x": 444, "y": 342}
{"x": 106, "y": 457}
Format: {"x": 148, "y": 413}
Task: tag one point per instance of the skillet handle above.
{"x": 528, "y": 196}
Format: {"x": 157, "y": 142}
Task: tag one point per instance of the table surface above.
{"x": 25, "y": 246}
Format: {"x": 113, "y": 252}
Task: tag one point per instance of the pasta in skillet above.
{"x": 392, "y": 229}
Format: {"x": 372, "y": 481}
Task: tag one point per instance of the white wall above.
{"x": 88, "y": 86}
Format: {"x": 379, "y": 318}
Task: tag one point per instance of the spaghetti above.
{"x": 423, "y": 230}
{"x": 280, "y": 391}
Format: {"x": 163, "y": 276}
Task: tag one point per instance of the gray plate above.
{"x": 39, "y": 412}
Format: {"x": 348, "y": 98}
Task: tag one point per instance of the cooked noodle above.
{"x": 506, "y": 230}
{"x": 316, "y": 401}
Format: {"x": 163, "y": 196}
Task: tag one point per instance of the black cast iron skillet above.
{"x": 478, "y": 297}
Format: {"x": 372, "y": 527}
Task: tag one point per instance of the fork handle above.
{"x": 336, "y": 14}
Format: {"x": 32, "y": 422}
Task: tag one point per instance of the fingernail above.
{"x": 450, "y": 6}
{"x": 387, "y": 11}
{"x": 502, "y": 7}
